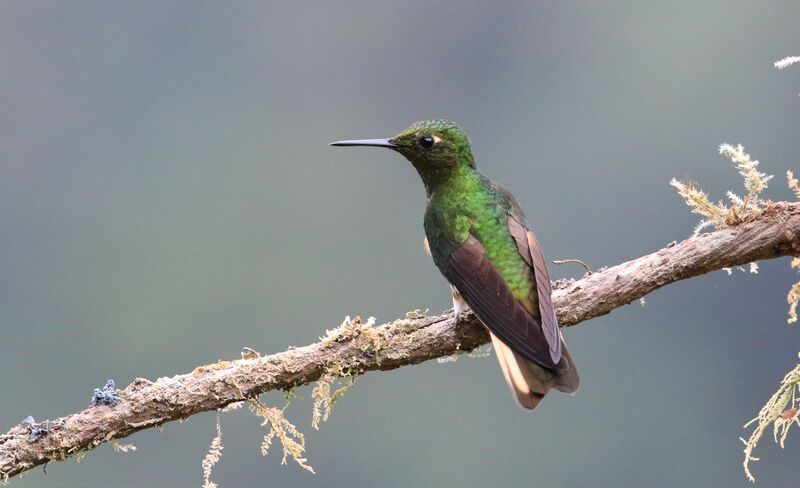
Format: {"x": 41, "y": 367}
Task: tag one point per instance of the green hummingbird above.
{"x": 481, "y": 242}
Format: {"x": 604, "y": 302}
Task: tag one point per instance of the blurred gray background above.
{"x": 167, "y": 196}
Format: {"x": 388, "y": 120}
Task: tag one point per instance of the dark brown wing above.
{"x": 532, "y": 254}
{"x": 469, "y": 270}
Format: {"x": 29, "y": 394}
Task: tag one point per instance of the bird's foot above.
{"x": 460, "y": 307}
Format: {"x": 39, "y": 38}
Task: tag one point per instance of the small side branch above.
{"x": 356, "y": 348}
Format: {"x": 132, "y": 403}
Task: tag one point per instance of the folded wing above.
{"x": 469, "y": 270}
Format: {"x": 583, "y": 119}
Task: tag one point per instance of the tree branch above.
{"x": 355, "y": 348}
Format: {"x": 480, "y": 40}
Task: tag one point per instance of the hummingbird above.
{"x": 480, "y": 239}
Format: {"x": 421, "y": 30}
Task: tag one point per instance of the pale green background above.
{"x": 167, "y": 196}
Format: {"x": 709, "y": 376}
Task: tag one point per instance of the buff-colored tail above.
{"x": 528, "y": 381}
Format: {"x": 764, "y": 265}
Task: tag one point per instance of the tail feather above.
{"x": 528, "y": 381}
{"x": 567, "y": 378}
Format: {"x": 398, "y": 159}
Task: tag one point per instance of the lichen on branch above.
{"x": 718, "y": 215}
{"x": 357, "y": 348}
{"x": 780, "y": 411}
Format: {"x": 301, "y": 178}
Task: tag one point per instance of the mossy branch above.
{"x": 356, "y": 348}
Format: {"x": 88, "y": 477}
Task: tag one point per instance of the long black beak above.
{"x": 367, "y": 142}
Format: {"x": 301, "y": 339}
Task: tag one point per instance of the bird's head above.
{"x": 438, "y": 149}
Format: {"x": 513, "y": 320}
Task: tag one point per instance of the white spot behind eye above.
{"x": 436, "y": 139}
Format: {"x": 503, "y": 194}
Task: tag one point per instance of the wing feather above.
{"x": 484, "y": 289}
{"x": 532, "y": 254}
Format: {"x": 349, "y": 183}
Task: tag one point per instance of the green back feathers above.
{"x": 470, "y": 204}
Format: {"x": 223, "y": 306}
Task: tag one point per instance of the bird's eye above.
{"x": 426, "y": 141}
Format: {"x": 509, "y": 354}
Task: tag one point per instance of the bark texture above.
{"x": 356, "y": 348}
